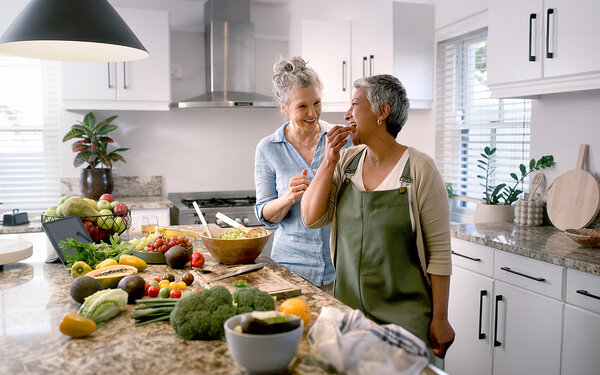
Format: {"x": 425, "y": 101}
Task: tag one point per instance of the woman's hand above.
{"x": 297, "y": 187}
{"x": 441, "y": 336}
{"x": 336, "y": 139}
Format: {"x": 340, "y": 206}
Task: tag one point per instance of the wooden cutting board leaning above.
{"x": 574, "y": 198}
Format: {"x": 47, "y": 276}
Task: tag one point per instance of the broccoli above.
{"x": 201, "y": 315}
{"x": 252, "y": 299}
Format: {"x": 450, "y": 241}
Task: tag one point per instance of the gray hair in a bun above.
{"x": 292, "y": 73}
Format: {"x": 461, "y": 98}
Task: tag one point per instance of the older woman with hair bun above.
{"x": 391, "y": 225}
{"x": 286, "y": 161}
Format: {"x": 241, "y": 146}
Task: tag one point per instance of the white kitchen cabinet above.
{"x": 133, "y": 85}
{"x": 542, "y": 46}
{"x": 504, "y": 322}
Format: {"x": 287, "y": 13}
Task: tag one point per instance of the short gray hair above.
{"x": 290, "y": 74}
{"x": 382, "y": 89}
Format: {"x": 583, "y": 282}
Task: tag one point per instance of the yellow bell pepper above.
{"x": 79, "y": 269}
{"x": 134, "y": 261}
{"x": 106, "y": 263}
{"x": 76, "y": 325}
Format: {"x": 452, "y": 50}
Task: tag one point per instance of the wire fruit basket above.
{"x": 100, "y": 227}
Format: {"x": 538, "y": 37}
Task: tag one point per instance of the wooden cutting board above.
{"x": 263, "y": 279}
{"x": 574, "y": 198}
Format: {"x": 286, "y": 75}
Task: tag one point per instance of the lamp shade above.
{"x": 71, "y": 30}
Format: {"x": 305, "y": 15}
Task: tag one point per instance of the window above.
{"x": 468, "y": 120}
{"x": 29, "y": 144}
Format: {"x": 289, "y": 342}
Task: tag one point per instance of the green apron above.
{"x": 377, "y": 263}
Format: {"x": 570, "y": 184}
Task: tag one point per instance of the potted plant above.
{"x": 497, "y": 200}
{"x": 92, "y": 148}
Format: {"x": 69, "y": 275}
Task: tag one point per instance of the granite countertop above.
{"x": 545, "y": 243}
{"x": 34, "y": 297}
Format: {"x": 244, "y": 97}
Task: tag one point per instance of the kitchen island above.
{"x": 34, "y": 297}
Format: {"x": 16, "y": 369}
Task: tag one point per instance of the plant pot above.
{"x": 494, "y": 213}
{"x": 95, "y": 182}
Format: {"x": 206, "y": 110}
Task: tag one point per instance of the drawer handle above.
{"x": 496, "y": 342}
{"x": 481, "y": 294}
{"x": 587, "y": 294}
{"x": 465, "y": 256}
{"x": 507, "y": 269}
{"x": 532, "y": 17}
{"x": 549, "y": 54}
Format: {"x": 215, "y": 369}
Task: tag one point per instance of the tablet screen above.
{"x": 62, "y": 229}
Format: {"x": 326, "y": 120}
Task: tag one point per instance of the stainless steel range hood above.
{"x": 230, "y": 61}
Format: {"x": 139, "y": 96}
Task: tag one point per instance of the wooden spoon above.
{"x": 202, "y": 218}
{"x": 250, "y": 232}
{"x": 535, "y": 184}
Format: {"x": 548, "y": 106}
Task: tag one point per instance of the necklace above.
{"x": 386, "y": 156}
{"x": 300, "y": 144}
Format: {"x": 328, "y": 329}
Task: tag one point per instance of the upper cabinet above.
{"x": 363, "y": 39}
{"x": 133, "y": 85}
{"x": 542, "y": 46}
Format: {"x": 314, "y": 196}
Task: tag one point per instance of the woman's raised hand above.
{"x": 297, "y": 187}
{"x": 336, "y": 139}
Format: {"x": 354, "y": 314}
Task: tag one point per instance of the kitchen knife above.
{"x": 251, "y": 268}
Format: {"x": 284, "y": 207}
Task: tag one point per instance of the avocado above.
{"x": 134, "y": 285}
{"x": 177, "y": 257}
{"x": 84, "y": 286}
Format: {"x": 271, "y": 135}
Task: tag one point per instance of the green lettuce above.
{"x": 104, "y": 305}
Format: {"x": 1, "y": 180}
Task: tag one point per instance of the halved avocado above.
{"x": 267, "y": 326}
{"x": 110, "y": 276}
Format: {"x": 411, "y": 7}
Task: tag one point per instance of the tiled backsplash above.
{"x": 124, "y": 186}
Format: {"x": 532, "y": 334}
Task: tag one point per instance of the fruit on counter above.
{"x": 134, "y": 285}
{"x": 188, "y": 278}
{"x": 132, "y": 260}
{"x": 103, "y": 205}
{"x": 93, "y": 230}
{"x": 110, "y": 276}
{"x": 175, "y": 293}
{"x": 76, "y": 325}
{"x": 79, "y": 207}
{"x": 177, "y": 257}
{"x": 106, "y": 263}
{"x": 197, "y": 260}
{"x": 63, "y": 199}
{"x": 268, "y": 322}
{"x": 84, "y": 286}
{"x": 119, "y": 208}
{"x": 168, "y": 276}
{"x": 164, "y": 292}
{"x": 90, "y": 201}
{"x": 298, "y": 307}
{"x": 153, "y": 291}
{"x": 80, "y": 268}
{"x": 104, "y": 305}
{"x": 106, "y": 197}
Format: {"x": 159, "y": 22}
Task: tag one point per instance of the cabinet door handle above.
{"x": 124, "y": 77}
{"x": 549, "y": 54}
{"x": 496, "y": 342}
{"x": 466, "y": 256}
{"x": 108, "y": 70}
{"x": 364, "y": 66}
{"x": 481, "y": 294}
{"x": 587, "y": 294}
{"x": 532, "y": 17}
{"x": 371, "y": 64}
{"x": 507, "y": 269}
{"x": 344, "y": 75}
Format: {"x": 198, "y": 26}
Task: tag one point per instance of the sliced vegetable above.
{"x": 132, "y": 260}
{"x": 104, "y": 305}
{"x": 76, "y": 325}
{"x": 79, "y": 269}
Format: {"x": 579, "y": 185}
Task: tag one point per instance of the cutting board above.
{"x": 13, "y": 250}
{"x": 263, "y": 279}
{"x": 574, "y": 198}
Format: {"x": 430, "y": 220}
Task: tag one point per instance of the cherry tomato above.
{"x": 163, "y": 283}
{"x": 157, "y": 279}
{"x": 146, "y": 290}
{"x": 164, "y": 292}
{"x": 154, "y": 282}
{"x": 181, "y": 285}
{"x": 175, "y": 293}
{"x": 153, "y": 291}
{"x": 196, "y": 289}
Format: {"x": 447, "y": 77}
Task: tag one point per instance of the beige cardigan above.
{"x": 429, "y": 205}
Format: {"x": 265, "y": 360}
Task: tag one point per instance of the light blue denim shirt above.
{"x": 302, "y": 250}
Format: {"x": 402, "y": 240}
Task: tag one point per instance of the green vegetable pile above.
{"x": 93, "y": 254}
{"x": 201, "y": 315}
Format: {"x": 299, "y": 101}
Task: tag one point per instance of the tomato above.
{"x": 164, "y": 292}
{"x": 146, "y": 290}
{"x": 174, "y": 285}
{"x": 196, "y": 289}
{"x": 163, "y": 283}
{"x": 153, "y": 291}
{"x": 157, "y": 279}
{"x": 197, "y": 260}
{"x": 188, "y": 278}
{"x": 175, "y": 293}
{"x": 154, "y": 282}
{"x": 181, "y": 285}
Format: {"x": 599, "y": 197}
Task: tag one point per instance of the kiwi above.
{"x": 84, "y": 286}
{"x": 177, "y": 257}
{"x": 134, "y": 285}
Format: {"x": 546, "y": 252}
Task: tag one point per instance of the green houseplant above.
{"x": 92, "y": 148}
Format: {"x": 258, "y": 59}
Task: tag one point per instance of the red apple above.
{"x": 106, "y": 197}
{"x": 119, "y": 208}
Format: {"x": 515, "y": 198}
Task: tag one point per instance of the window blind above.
{"x": 29, "y": 139}
{"x": 468, "y": 120}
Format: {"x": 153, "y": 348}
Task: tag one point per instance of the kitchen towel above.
{"x": 353, "y": 345}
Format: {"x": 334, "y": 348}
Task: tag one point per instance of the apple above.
{"x": 63, "y": 199}
{"x": 114, "y": 203}
{"x": 120, "y": 208}
{"x": 106, "y": 197}
{"x": 103, "y": 205}
{"x": 106, "y": 211}
{"x": 119, "y": 224}
{"x": 106, "y": 222}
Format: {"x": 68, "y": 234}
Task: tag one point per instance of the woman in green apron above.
{"x": 390, "y": 234}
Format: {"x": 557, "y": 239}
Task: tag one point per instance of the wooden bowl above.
{"x": 240, "y": 251}
{"x": 585, "y": 237}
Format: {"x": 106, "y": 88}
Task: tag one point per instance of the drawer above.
{"x": 473, "y": 257}
{"x": 531, "y": 274}
{"x": 583, "y": 290}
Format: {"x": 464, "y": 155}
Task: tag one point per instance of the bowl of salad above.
{"x": 232, "y": 246}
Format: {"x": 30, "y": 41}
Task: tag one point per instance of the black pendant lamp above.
{"x": 71, "y": 30}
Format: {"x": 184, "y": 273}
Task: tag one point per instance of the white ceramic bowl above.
{"x": 262, "y": 354}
